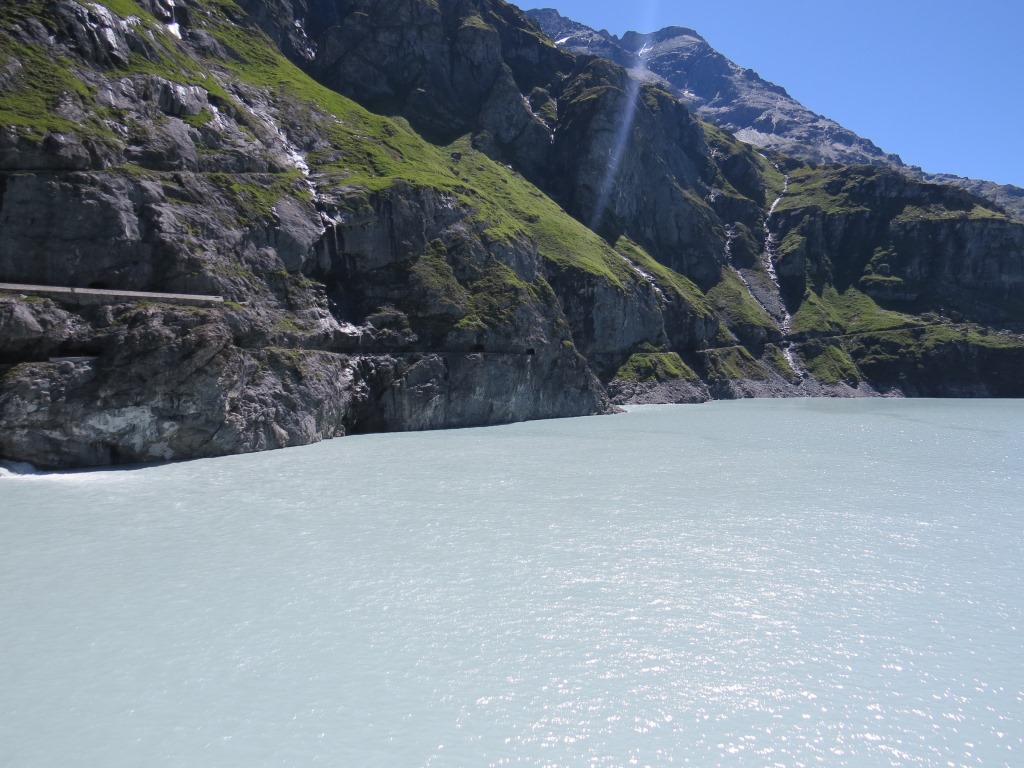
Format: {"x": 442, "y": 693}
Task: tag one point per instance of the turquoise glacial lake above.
{"x": 756, "y": 583}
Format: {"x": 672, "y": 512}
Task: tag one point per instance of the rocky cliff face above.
{"x": 515, "y": 233}
{"x": 741, "y": 102}
{"x": 366, "y": 289}
{"x": 581, "y": 130}
{"x": 879, "y": 231}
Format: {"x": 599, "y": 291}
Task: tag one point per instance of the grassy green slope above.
{"x": 362, "y": 150}
{"x": 350, "y": 151}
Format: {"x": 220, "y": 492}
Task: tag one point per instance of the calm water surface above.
{"x": 760, "y": 583}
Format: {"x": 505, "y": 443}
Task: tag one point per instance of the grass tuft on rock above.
{"x": 655, "y": 366}
{"x": 828, "y": 362}
{"x": 732, "y": 364}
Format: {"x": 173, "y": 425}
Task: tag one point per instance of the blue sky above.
{"x": 940, "y": 83}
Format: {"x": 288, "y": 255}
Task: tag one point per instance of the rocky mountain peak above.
{"x": 572, "y": 36}
{"x": 726, "y": 94}
{"x": 740, "y": 101}
{"x": 636, "y": 41}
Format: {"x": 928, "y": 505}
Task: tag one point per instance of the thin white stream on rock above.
{"x": 730, "y": 235}
{"x": 646, "y": 276}
{"x": 768, "y": 261}
{"x": 769, "y": 266}
{"x": 768, "y": 257}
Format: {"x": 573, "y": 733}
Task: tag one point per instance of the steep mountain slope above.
{"x": 719, "y": 91}
{"x": 370, "y": 282}
{"x": 515, "y": 233}
{"x": 741, "y": 102}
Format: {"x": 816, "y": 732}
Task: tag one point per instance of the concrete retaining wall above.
{"x": 83, "y": 297}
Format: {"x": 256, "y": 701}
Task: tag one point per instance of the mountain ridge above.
{"x": 740, "y": 101}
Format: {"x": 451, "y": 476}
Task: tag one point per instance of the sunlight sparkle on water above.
{"x": 754, "y": 583}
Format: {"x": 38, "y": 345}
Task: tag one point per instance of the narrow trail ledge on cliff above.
{"x": 388, "y": 197}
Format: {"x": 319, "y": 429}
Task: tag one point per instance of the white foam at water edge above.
{"x": 16, "y": 468}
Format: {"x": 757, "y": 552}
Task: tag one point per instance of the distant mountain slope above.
{"x": 1011, "y": 198}
{"x": 740, "y": 101}
{"x": 734, "y": 98}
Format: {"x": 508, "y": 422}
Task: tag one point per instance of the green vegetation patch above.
{"x": 828, "y": 362}
{"x": 363, "y": 150}
{"x": 432, "y": 273}
{"x": 884, "y": 284}
{"x": 858, "y": 312}
{"x": 15, "y": 12}
{"x": 816, "y": 317}
{"x": 656, "y": 98}
{"x": 673, "y": 284}
{"x": 542, "y": 103}
{"x": 897, "y": 347}
{"x": 722, "y": 144}
{"x": 509, "y": 208}
{"x": 828, "y": 189}
{"x": 655, "y": 366}
{"x": 123, "y": 8}
{"x": 297, "y": 361}
{"x": 39, "y": 83}
{"x": 597, "y": 78}
{"x": 198, "y": 121}
{"x": 254, "y": 197}
{"x": 291, "y": 324}
{"x": 972, "y": 211}
{"x": 18, "y": 370}
{"x": 731, "y": 364}
{"x": 733, "y": 301}
{"x": 774, "y": 358}
{"x": 474, "y": 21}
{"x": 774, "y": 179}
{"x": 851, "y": 311}
{"x": 494, "y": 299}
{"x": 791, "y": 243}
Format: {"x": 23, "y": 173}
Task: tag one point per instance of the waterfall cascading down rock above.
{"x": 768, "y": 292}
{"x": 768, "y": 259}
